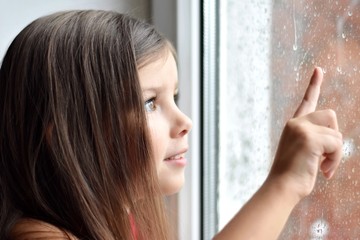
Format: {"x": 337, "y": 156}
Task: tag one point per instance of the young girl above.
{"x": 91, "y": 137}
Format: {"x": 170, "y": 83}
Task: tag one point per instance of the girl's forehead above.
{"x": 149, "y": 58}
{"x": 159, "y": 73}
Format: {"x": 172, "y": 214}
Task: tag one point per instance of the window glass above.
{"x": 245, "y": 89}
{"x": 268, "y": 50}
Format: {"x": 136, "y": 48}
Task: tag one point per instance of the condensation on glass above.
{"x": 268, "y": 52}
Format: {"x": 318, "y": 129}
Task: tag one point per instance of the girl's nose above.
{"x": 182, "y": 124}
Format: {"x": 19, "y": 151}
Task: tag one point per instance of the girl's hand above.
{"x": 310, "y": 141}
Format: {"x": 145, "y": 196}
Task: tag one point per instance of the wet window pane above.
{"x": 268, "y": 50}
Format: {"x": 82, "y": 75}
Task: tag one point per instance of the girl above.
{"x": 91, "y": 137}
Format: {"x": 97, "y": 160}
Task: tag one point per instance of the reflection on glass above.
{"x": 268, "y": 52}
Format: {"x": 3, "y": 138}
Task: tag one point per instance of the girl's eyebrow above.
{"x": 154, "y": 87}
{"x": 151, "y": 90}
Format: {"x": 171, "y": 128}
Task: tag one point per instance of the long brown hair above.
{"x": 74, "y": 145}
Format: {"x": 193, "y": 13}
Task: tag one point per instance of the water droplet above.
{"x": 343, "y": 35}
{"x": 324, "y": 70}
{"x": 355, "y": 69}
{"x": 319, "y": 229}
{"x": 295, "y": 47}
{"x": 338, "y": 69}
{"x": 350, "y": 13}
{"x": 297, "y": 77}
{"x": 348, "y": 148}
{"x": 328, "y": 56}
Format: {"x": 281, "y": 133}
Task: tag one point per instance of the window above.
{"x": 258, "y": 58}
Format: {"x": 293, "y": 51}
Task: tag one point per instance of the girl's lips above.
{"x": 178, "y": 159}
{"x": 177, "y": 155}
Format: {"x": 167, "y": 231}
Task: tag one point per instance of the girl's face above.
{"x": 169, "y": 127}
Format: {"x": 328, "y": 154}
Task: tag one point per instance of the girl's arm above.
{"x": 310, "y": 142}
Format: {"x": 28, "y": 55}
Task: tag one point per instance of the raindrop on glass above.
{"x": 319, "y": 229}
{"x": 338, "y": 69}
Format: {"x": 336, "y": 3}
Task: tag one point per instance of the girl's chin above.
{"x": 172, "y": 187}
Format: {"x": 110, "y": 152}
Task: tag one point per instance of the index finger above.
{"x": 311, "y": 96}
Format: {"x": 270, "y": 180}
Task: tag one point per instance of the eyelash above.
{"x": 149, "y": 108}
{"x": 150, "y": 105}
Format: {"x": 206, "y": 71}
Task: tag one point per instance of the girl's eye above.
{"x": 150, "y": 105}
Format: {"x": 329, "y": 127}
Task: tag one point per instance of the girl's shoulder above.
{"x": 27, "y": 229}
